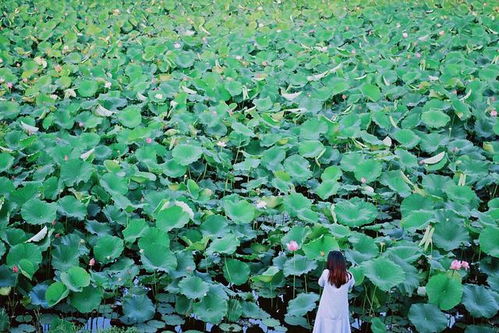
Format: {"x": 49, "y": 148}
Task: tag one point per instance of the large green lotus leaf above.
{"x": 489, "y": 241}
{"x": 7, "y": 277}
{"x": 407, "y": 138}
{"x": 272, "y": 158}
{"x": 479, "y": 301}
{"x": 368, "y": 170}
{"x": 319, "y": 248}
{"x": 185, "y": 154}
{"x": 298, "y": 265}
{"x": 130, "y": 116}
{"x": 302, "y": 304}
{"x": 154, "y": 235}
{"x": 417, "y": 220}
{"x": 138, "y": 308}
{"x": 394, "y": 180}
{"x": 193, "y": 287}
{"x": 171, "y": 218}
{"x": 461, "y": 194}
{"x": 298, "y": 168}
{"x": 212, "y": 308}
{"x": 405, "y": 250}
{"x": 268, "y": 275}
{"x": 9, "y": 109}
{"x": 55, "y": 293}
{"x": 27, "y": 268}
{"x": 371, "y": 91}
{"x": 136, "y": 228}
{"x": 327, "y": 188}
{"x": 214, "y": 225}
{"x": 364, "y": 247}
{"x": 384, "y": 273}
{"x": 378, "y": 326}
{"x": 108, "y": 248}
{"x": 113, "y": 183}
{"x": 87, "y": 300}
{"x": 480, "y": 329}
{"x": 355, "y": 212}
{"x": 296, "y": 202}
{"x": 234, "y": 87}
{"x": 449, "y": 235}
{"x": 6, "y": 161}
{"x": 75, "y": 171}
{"x": 310, "y": 149}
{"x": 227, "y": 244}
{"x": 76, "y": 278}
{"x": 297, "y": 233}
{"x": 72, "y": 207}
{"x": 239, "y": 211}
{"x": 236, "y": 271}
{"x": 27, "y": 251}
{"x": 312, "y": 129}
{"x": 435, "y": 118}
{"x": 173, "y": 169}
{"x": 36, "y": 211}
{"x": 445, "y": 290}
{"x": 332, "y": 173}
{"x": 88, "y": 88}
{"x": 427, "y": 318}
{"x": 158, "y": 257}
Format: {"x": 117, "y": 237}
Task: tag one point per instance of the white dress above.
{"x": 333, "y": 315}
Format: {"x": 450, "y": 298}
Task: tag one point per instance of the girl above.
{"x": 333, "y": 315}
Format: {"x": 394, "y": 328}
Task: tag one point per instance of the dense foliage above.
{"x": 157, "y": 157}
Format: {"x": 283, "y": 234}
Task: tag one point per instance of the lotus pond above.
{"x": 158, "y": 157}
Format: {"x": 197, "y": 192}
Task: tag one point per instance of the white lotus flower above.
{"x": 177, "y": 45}
{"x": 107, "y": 84}
{"x": 158, "y": 96}
{"x": 260, "y": 204}
{"x": 221, "y": 144}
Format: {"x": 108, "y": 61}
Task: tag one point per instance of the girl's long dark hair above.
{"x": 337, "y": 266}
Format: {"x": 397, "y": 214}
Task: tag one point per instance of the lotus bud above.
{"x": 441, "y": 32}
{"x": 177, "y": 45}
{"x": 363, "y": 180}
{"x": 9, "y": 85}
{"x": 91, "y": 262}
{"x": 405, "y": 34}
{"x": 344, "y": 96}
{"x": 292, "y": 246}
{"x": 66, "y": 157}
{"x": 421, "y": 291}
{"x": 493, "y": 113}
{"x": 149, "y": 140}
{"x": 80, "y": 124}
{"x": 465, "y": 264}
{"x": 158, "y": 96}
{"x": 15, "y": 269}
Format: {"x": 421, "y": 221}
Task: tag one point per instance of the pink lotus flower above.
{"x": 441, "y": 32}
{"x": 9, "y": 85}
{"x": 15, "y": 269}
{"x": 465, "y": 264}
{"x": 493, "y": 113}
{"x": 363, "y": 180}
{"x": 91, "y": 262}
{"x": 455, "y": 265}
{"x": 148, "y": 140}
{"x": 292, "y": 246}
{"x": 418, "y": 55}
